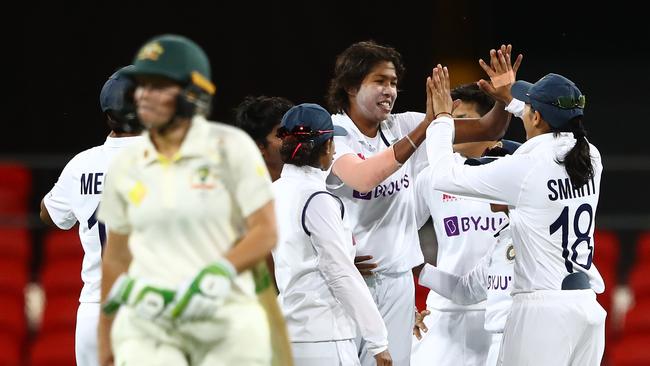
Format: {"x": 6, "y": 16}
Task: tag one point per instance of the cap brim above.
{"x": 339, "y": 131}
{"x": 520, "y": 90}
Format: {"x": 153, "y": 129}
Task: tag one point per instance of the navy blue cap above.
{"x": 112, "y": 94}
{"x": 501, "y": 148}
{"x": 557, "y": 98}
{"x": 312, "y": 120}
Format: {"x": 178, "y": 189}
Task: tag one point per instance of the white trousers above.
{"x": 394, "y": 295}
{"x": 335, "y": 353}
{"x": 454, "y": 338}
{"x": 495, "y": 346}
{"x": 238, "y": 335}
{"x": 563, "y": 328}
{"x": 85, "y": 339}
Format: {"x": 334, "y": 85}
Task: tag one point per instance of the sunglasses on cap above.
{"x": 301, "y": 131}
{"x": 570, "y": 102}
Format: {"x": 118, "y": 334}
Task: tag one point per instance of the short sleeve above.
{"x": 252, "y": 182}
{"x": 113, "y": 206}
{"x": 58, "y": 201}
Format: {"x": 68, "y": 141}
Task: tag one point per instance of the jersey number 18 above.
{"x": 581, "y": 236}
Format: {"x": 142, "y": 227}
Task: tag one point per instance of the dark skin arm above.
{"x": 492, "y": 126}
{"x": 45, "y": 215}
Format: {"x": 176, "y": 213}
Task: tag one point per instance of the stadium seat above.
{"x": 62, "y": 244}
{"x": 637, "y": 320}
{"x": 53, "y": 349}
{"x": 15, "y": 188}
{"x": 631, "y": 351}
{"x": 60, "y": 313}
{"x": 11, "y": 349}
{"x": 12, "y": 316}
{"x": 13, "y": 277}
{"x": 15, "y": 244}
{"x": 606, "y": 257}
{"x": 62, "y": 276}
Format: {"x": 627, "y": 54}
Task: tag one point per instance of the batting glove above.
{"x": 149, "y": 302}
{"x": 200, "y": 297}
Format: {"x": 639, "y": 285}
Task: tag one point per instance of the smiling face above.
{"x": 374, "y": 100}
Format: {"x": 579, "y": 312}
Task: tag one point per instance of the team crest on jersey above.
{"x": 202, "y": 178}
{"x": 150, "y": 51}
{"x": 448, "y": 198}
{"x": 510, "y": 252}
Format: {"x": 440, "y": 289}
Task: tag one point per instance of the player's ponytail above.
{"x": 577, "y": 161}
{"x": 301, "y": 151}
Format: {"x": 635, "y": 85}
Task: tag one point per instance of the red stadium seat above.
{"x": 643, "y": 249}
{"x": 60, "y": 313}
{"x": 13, "y": 277}
{"x": 62, "y": 276}
{"x": 53, "y": 349}
{"x": 631, "y": 351}
{"x": 15, "y": 244}
{"x": 606, "y": 257}
{"x": 15, "y": 188}
{"x": 640, "y": 281}
{"x": 637, "y": 320}
{"x": 62, "y": 244}
{"x": 12, "y": 316}
{"x": 11, "y": 349}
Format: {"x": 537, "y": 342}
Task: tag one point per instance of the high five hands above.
{"x": 502, "y": 73}
{"x": 439, "y": 93}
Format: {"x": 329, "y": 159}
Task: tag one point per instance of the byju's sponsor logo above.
{"x": 455, "y": 225}
{"x": 498, "y": 282}
{"x": 451, "y": 226}
{"x": 384, "y": 189}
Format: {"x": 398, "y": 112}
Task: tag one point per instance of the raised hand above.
{"x": 440, "y": 91}
{"x": 502, "y": 73}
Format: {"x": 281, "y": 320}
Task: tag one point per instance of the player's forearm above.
{"x": 45, "y": 215}
{"x": 115, "y": 261}
{"x": 448, "y": 285}
{"x": 365, "y": 175}
{"x": 404, "y": 148}
{"x": 258, "y": 242}
{"x": 492, "y": 126}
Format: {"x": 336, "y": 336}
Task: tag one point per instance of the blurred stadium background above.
{"x": 68, "y": 50}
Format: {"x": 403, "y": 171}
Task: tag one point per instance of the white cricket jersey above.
{"x": 382, "y": 220}
{"x": 75, "y": 198}
{"x": 184, "y": 213}
{"x": 322, "y": 294}
{"x": 552, "y": 222}
{"x": 464, "y": 231}
{"x": 490, "y": 280}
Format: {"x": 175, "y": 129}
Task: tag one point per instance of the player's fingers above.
{"x": 446, "y": 79}
{"x": 493, "y": 59}
{"x": 416, "y": 333}
{"x": 361, "y": 258}
{"x": 366, "y": 273}
{"x": 486, "y": 86}
{"x": 501, "y": 63}
{"x": 488, "y": 70}
{"x": 515, "y": 67}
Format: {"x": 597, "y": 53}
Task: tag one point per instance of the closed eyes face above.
{"x": 377, "y": 93}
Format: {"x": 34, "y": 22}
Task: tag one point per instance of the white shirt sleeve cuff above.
{"x": 516, "y": 107}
